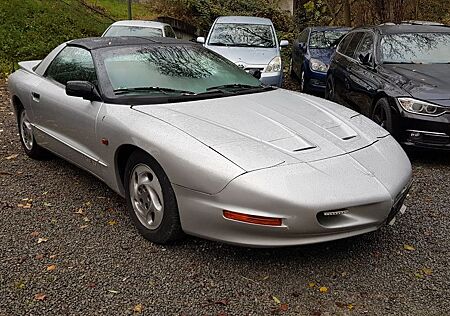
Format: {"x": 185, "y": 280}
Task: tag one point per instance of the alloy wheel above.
{"x": 146, "y": 196}
{"x": 26, "y": 131}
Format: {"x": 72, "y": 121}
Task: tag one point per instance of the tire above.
{"x": 29, "y": 145}
{"x": 303, "y": 82}
{"x": 329, "y": 90}
{"x": 151, "y": 201}
{"x": 382, "y": 115}
{"x": 291, "y": 70}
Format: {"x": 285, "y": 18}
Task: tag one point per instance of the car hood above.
{"x": 323, "y": 55}
{"x": 266, "y": 129}
{"x": 422, "y": 81}
{"x": 246, "y": 55}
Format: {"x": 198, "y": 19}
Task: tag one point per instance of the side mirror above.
{"x": 201, "y": 40}
{"x": 82, "y": 89}
{"x": 284, "y": 43}
{"x": 366, "y": 59}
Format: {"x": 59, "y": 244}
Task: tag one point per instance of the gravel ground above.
{"x": 70, "y": 249}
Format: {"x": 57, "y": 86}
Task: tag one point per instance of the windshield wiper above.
{"x": 235, "y": 86}
{"x": 157, "y": 89}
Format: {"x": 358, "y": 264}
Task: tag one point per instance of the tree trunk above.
{"x": 347, "y": 13}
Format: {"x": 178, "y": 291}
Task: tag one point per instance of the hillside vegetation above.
{"x": 30, "y": 29}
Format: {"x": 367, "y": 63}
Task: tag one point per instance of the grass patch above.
{"x": 118, "y": 9}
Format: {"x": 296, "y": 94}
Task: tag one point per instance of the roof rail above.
{"x": 427, "y": 23}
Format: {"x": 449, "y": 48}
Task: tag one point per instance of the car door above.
{"x": 362, "y": 80}
{"x": 299, "y": 50}
{"x": 338, "y": 68}
{"x": 346, "y": 61}
{"x": 66, "y": 125}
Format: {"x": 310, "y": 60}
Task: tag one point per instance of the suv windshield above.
{"x": 172, "y": 69}
{"x": 416, "y": 48}
{"x": 251, "y": 35}
{"x": 325, "y": 39}
{"x": 123, "y": 30}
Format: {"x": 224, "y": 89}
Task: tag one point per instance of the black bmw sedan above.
{"x": 399, "y": 76}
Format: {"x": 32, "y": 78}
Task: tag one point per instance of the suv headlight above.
{"x": 421, "y": 107}
{"x": 274, "y": 65}
{"x": 317, "y": 65}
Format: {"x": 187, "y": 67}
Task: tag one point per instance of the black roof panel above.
{"x": 91, "y": 43}
{"x": 405, "y": 28}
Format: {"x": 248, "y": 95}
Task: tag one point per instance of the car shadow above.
{"x": 428, "y": 156}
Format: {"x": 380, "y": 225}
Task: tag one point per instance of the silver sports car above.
{"x": 198, "y": 146}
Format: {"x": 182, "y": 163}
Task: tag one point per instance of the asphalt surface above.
{"x": 71, "y": 250}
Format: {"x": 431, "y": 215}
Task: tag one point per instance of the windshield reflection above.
{"x": 252, "y": 35}
{"x": 416, "y": 48}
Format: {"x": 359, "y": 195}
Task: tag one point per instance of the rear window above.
{"x": 122, "y": 30}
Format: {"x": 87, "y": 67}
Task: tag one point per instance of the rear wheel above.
{"x": 31, "y": 148}
{"x": 151, "y": 200}
{"x": 383, "y": 116}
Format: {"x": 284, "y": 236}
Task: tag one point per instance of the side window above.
{"x": 351, "y": 48}
{"x": 344, "y": 43}
{"x": 303, "y": 37}
{"x": 72, "y": 63}
{"x": 169, "y": 31}
{"x": 365, "y": 46}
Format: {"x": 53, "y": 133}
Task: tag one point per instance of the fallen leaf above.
{"x": 52, "y": 257}
{"x": 112, "y": 222}
{"x": 45, "y": 193}
{"x": 40, "y": 296}
{"x": 276, "y": 300}
{"x": 80, "y": 211}
{"x": 47, "y": 204}
{"x": 284, "y": 307}
{"x": 14, "y": 156}
{"x": 427, "y": 271}
{"x": 350, "y": 306}
{"x": 84, "y": 226}
{"x": 138, "y": 308}
{"x": 51, "y": 267}
{"x": 311, "y": 284}
{"x": 86, "y": 219}
{"x": 409, "y": 247}
{"x": 265, "y": 278}
{"x": 418, "y": 275}
{"x": 323, "y": 289}
{"x": 34, "y": 234}
{"x": 41, "y": 240}
{"x": 39, "y": 256}
{"x": 222, "y": 302}
{"x": 28, "y": 205}
{"x": 20, "y": 285}
{"x": 113, "y": 291}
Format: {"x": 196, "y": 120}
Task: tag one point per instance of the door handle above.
{"x": 35, "y": 96}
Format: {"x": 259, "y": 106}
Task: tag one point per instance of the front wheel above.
{"x": 383, "y": 115}
{"x": 151, "y": 200}
{"x": 29, "y": 145}
{"x": 329, "y": 91}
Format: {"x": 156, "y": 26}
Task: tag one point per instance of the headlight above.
{"x": 317, "y": 65}
{"x": 274, "y": 65}
{"x": 420, "y": 107}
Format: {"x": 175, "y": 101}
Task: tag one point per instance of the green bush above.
{"x": 30, "y": 29}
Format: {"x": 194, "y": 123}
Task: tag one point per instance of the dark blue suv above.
{"x": 311, "y": 55}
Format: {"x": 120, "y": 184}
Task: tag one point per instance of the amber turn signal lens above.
{"x": 252, "y": 219}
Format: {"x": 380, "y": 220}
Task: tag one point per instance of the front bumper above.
{"x": 300, "y": 194}
{"x": 425, "y": 131}
{"x": 315, "y": 81}
{"x": 272, "y": 78}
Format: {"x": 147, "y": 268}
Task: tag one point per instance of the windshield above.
{"x": 251, "y": 35}
{"x": 123, "y": 30}
{"x": 171, "y": 69}
{"x": 412, "y": 48}
{"x": 325, "y": 39}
